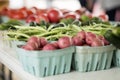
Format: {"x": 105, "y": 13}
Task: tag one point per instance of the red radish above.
{"x": 49, "y": 47}
{"x": 103, "y": 39}
{"x": 90, "y": 37}
{"x": 64, "y": 42}
{"x": 105, "y": 42}
{"x": 37, "y": 18}
{"x": 90, "y": 34}
{"x": 81, "y": 34}
{"x": 77, "y": 41}
{"x": 32, "y": 44}
{"x": 27, "y": 47}
{"x": 34, "y": 39}
{"x": 55, "y": 44}
{"x": 100, "y": 37}
{"x": 89, "y": 40}
{"x": 42, "y": 41}
{"x": 97, "y": 42}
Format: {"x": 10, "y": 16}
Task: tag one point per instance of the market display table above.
{"x": 8, "y": 58}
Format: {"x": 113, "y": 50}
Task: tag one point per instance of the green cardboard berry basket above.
{"x": 116, "y": 58}
{"x": 92, "y": 58}
{"x": 46, "y": 63}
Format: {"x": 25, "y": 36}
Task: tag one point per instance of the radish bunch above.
{"x": 90, "y": 39}
{"x": 36, "y": 43}
{"x": 82, "y": 38}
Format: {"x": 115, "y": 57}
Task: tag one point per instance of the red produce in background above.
{"x": 20, "y": 15}
{"x": 4, "y": 11}
{"x": 54, "y": 15}
{"x": 64, "y": 11}
{"x": 29, "y": 13}
{"x": 43, "y": 17}
{"x": 41, "y": 11}
{"x": 72, "y": 15}
{"x": 31, "y": 18}
{"x": 34, "y": 10}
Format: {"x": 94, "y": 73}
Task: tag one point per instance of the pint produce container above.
{"x": 46, "y": 63}
{"x": 92, "y": 58}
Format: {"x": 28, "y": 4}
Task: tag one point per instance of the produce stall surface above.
{"x": 9, "y": 58}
